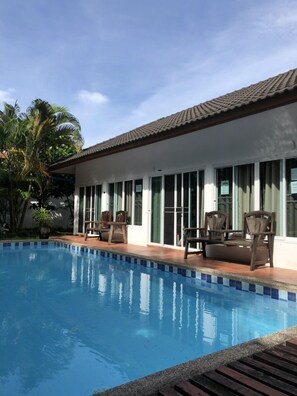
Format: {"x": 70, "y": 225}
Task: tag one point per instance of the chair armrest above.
{"x": 257, "y": 236}
{"x": 194, "y": 228}
{"x": 189, "y": 229}
{"x": 262, "y": 233}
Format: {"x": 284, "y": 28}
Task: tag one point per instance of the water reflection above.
{"x": 210, "y": 316}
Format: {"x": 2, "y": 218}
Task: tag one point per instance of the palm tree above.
{"x": 11, "y": 123}
{"x": 51, "y": 133}
{"x": 30, "y": 142}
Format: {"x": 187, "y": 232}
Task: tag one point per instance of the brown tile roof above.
{"x": 191, "y": 118}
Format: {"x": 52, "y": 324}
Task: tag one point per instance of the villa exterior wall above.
{"x": 60, "y": 215}
{"x": 266, "y": 136}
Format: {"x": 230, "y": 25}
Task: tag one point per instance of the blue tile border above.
{"x": 246, "y": 286}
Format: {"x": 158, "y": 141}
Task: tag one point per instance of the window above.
{"x": 156, "y": 209}
{"x": 177, "y": 201}
{"x": 291, "y": 197}
{"x": 243, "y": 191}
{"x": 111, "y": 196}
{"x": 224, "y": 188}
{"x": 81, "y": 209}
{"x": 243, "y": 194}
{"x": 138, "y": 202}
{"x": 115, "y": 197}
{"x": 130, "y": 199}
{"x": 270, "y": 190}
{"x": 89, "y": 205}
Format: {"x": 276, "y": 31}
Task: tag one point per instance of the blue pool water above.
{"x": 74, "y": 324}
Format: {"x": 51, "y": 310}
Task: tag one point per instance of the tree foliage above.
{"x": 29, "y": 143}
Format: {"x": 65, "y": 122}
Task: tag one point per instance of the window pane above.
{"x": 156, "y": 210}
{"x": 111, "y": 196}
{"x": 190, "y": 199}
{"x": 98, "y": 202}
{"x": 128, "y": 199}
{"x": 90, "y": 209}
{"x": 291, "y": 178}
{"x": 270, "y": 189}
{"x": 224, "y": 186}
{"x": 169, "y": 210}
{"x": 244, "y": 192}
{"x": 201, "y": 198}
{"x": 138, "y": 203}
{"x": 81, "y": 209}
{"x": 118, "y": 196}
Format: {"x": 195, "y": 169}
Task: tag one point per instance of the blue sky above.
{"x": 118, "y": 64}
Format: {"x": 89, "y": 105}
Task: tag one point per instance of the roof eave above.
{"x": 268, "y": 103}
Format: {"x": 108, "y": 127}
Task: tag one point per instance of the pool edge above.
{"x": 151, "y": 384}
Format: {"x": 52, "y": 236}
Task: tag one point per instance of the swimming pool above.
{"x": 76, "y": 320}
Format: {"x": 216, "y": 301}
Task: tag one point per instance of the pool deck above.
{"x": 265, "y": 366}
{"x": 278, "y": 277}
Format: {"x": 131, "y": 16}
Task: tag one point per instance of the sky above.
{"x": 119, "y": 64}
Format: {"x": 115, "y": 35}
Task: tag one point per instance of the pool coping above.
{"x": 150, "y": 384}
{"x": 276, "y": 289}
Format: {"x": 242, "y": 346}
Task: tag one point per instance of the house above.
{"x": 235, "y": 153}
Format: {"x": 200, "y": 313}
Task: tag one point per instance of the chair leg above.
{"x": 270, "y": 249}
{"x": 204, "y": 249}
{"x": 253, "y": 255}
{"x": 124, "y": 229}
{"x": 186, "y": 250}
{"x": 110, "y": 234}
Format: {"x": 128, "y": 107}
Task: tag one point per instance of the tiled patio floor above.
{"x": 287, "y": 278}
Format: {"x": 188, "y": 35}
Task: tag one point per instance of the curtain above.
{"x": 291, "y": 178}
{"x": 138, "y": 202}
{"x": 224, "y": 188}
{"x": 128, "y": 199}
{"x": 156, "y": 210}
{"x": 244, "y": 185}
{"x": 81, "y": 209}
{"x": 98, "y": 194}
{"x": 270, "y": 182}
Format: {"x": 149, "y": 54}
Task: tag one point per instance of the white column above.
{"x": 210, "y": 199}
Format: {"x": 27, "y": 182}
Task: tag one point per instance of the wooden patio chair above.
{"x": 119, "y": 226}
{"x": 214, "y": 220}
{"x": 258, "y": 235}
{"x": 99, "y": 225}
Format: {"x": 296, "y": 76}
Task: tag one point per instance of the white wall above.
{"x": 61, "y": 218}
{"x": 264, "y": 136}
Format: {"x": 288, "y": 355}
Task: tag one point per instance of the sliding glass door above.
{"x": 89, "y": 205}
{"x": 176, "y": 202}
{"x": 156, "y": 209}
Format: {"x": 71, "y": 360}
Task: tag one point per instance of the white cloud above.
{"x": 278, "y": 19}
{"x": 92, "y": 98}
{"x": 6, "y": 96}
